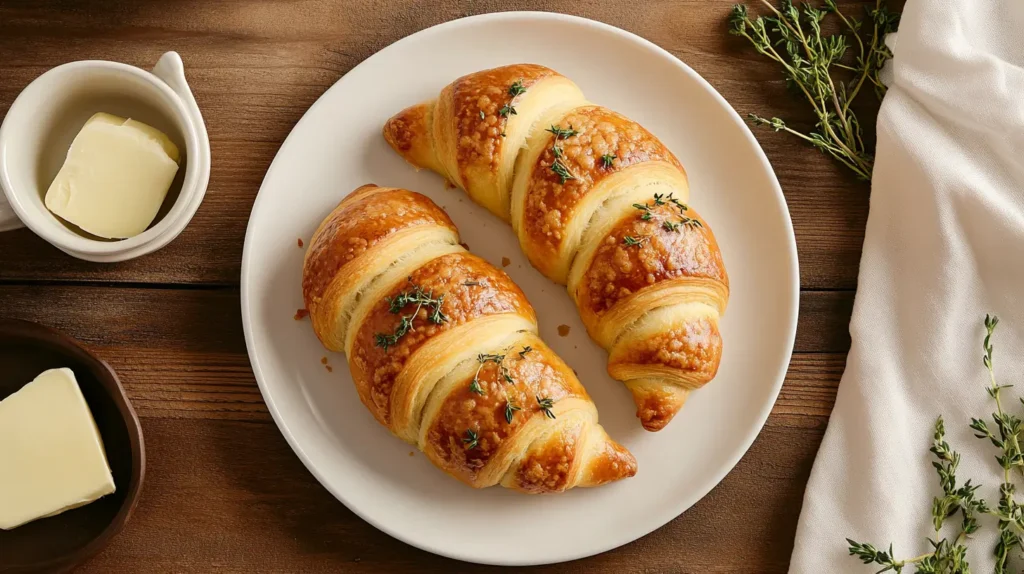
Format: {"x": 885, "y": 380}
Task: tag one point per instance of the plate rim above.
{"x": 677, "y": 509}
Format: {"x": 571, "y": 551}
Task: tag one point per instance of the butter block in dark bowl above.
{"x": 59, "y": 543}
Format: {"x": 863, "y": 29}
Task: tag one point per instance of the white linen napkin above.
{"x": 944, "y": 246}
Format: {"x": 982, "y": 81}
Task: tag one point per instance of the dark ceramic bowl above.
{"x": 59, "y": 543}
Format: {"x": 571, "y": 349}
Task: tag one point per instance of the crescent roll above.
{"x": 600, "y": 205}
{"x": 444, "y": 352}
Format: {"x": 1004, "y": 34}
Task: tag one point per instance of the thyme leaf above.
{"x": 510, "y": 410}
{"x": 516, "y": 88}
{"x": 546, "y": 405}
{"x": 471, "y": 440}
{"x": 562, "y": 171}
{"x": 561, "y": 133}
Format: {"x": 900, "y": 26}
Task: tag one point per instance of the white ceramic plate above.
{"x": 337, "y": 146}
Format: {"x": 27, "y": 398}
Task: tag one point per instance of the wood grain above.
{"x": 231, "y": 496}
{"x": 224, "y": 491}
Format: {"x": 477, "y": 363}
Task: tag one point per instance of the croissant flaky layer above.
{"x": 444, "y": 352}
{"x": 598, "y": 204}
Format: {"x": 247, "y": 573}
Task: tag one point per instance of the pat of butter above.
{"x": 51, "y": 453}
{"x": 115, "y": 177}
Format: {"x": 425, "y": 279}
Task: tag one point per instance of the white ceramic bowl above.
{"x": 46, "y": 116}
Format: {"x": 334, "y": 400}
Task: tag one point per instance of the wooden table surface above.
{"x": 223, "y": 490}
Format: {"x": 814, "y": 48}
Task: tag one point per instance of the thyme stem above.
{"x": 792, "y": 37}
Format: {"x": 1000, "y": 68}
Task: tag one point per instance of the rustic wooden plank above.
{"x": 231, "y": 496}
{"x": 823, "y": 325}
{"x": 224, "y": 490}
{"x": 256, "y": 67}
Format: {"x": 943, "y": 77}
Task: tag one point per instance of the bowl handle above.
{"x": 170, "y": 69}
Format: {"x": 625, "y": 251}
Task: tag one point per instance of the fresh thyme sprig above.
{"x": 662, "y": 199}
{"x": 505, "y": 373}
{"x": 416, "y": 296}
{"x": 815, "y": 66}
{"x": 1010, "y": 513}
{"x": 683, "y": 222}
{"x": 503, "y": 370}
{"x": 483, "y": 359}
{"x": 607, "y": 159}
{"x": 647, "y": 214}
{"x": 558, "y": 166}
{"x": 508, "y": 109}
{"x": 562, "y": 171}
{"x": 630, "y": 241}
{"x": 948, "y": 556}
{"x": 562, "y": 133}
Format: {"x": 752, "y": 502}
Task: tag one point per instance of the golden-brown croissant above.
{"x": 600, "y": 205}
{"x": 444, "y": 351}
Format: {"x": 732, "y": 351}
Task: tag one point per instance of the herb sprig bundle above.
{"x": 514, "y": 90}
{"x": 471, "y": 440}
{"x": 415, "y": 296}
{"x": 504, "y": 373}
{"x": 647, "y": 214}
{"x": 948, "y": 555}
{"x": 483, "y": 359}
{"x": 816, "y": 67}
{"x": 558, "y": 166}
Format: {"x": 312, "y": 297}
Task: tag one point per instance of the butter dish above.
{"x": 38, "y": 130}
{"x": 60, "y": 542}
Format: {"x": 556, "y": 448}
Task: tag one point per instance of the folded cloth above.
{"x": 944, "y": 245}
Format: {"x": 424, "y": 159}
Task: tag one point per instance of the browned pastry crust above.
{"x": 375, "y": 369}
{"x": 343, "y": 240}
{"x": 443, "y": 349}
{"x": 650, "y": 291}
{"x": 478, "y": 136}
{"x": 552, "y": 208}
{"x": 478, "y": 128}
